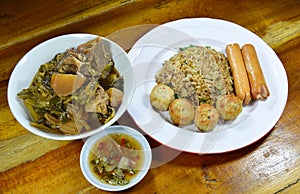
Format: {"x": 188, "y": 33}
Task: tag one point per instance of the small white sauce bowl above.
{"x": 85, "y": 163}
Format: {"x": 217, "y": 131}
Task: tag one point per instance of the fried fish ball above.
{"x": 161, "y": 96}
{"x": 181, "y": 112}
{"x": 229, "y": 106}
{"x": 206, "y": 117}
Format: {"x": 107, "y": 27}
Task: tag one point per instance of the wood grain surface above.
{"x": 31, "y": 164}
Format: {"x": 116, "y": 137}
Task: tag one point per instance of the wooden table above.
{"x": 31, "y": 164}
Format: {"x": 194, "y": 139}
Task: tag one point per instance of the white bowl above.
{"x": 91, "y": 177}
{"x": 27, "y": 67}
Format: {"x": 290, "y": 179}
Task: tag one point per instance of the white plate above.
{"x": 84, "y": 162}
{"x": 256, "y": 119}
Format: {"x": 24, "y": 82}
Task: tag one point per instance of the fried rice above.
{"x": 198, "y": 73}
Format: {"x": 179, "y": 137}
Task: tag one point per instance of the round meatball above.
{"x": 206, "y": 117}
{"x": 229, "y": 106}
{"x": 181, "y": 112}
{"x": 161, "y": 96}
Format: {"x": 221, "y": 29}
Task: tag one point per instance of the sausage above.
{"x": 240, "y": 78}
{"x": 259, "y": 89}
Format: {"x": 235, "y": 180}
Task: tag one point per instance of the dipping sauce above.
{"x": 116, "y": 158}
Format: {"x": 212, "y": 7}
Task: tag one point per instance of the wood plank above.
{"x": 25, "y": 148}
{"x": 29, "y": 163}
{"x": 21, "y": 25}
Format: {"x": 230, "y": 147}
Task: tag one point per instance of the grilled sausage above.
{"x": 259, "y": 89}
{"x": 240, "y": 78}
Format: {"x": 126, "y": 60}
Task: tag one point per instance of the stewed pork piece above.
{"x": 96, "y": 53}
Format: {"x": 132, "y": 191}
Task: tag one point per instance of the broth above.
{"x": 116, "y": 159}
